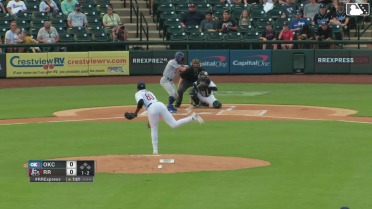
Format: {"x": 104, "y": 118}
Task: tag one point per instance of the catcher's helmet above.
{"x": 141, "y": 85}
{"x": 203, "y": 75}
{"x": 179, "y": 56}
{"x": 195, "y": 63}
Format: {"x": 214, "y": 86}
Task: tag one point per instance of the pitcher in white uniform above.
{"x": 173, "y": 67}
{"x": 157, "y": 109}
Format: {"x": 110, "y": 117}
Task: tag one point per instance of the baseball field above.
{"x": 315, "y": 137}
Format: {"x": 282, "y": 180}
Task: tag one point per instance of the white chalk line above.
{"x": 262, "y": 113}
{"x": 223, "y": 111}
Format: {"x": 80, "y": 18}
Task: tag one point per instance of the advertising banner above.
{"x": 250, "y": 61}
{"x": 109, "y": 63}
{"x": 27, "y": 65}
{"x": 141, "y": 62}
{"x": 362, "y": 62}
{"x": 2, "y": 65}
{"x": 283, "y": 60}
{"x": 332, "y": 61}
{"x": 68, "y": 64}
{"x": 214, "y": 61}
{"x": 161, "y": 58}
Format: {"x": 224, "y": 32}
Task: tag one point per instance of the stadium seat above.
{"x": 32, "y": 6}
{"x": 246, "y": 28}
{"x": 182, "y": 7}
{"x": 233, "y": 36}
{"x": 256, "y": 7}
{"x": 40, "y": 16}
{"x": 198, "y": 2}
{"x": 76, "y": 30}
{"x": 23, "y": 16}
{"x": 192, "y": 29}
{"x": 197, "y": 36}
{"x": 278, "y": 25}
{"x": 260, "y": 24}
{"x": 101, "y": 38}
{"x": 213, "y": 2}
{"x": 275, "y": 13}
{"x": 221, "y": 7}
{"x": 215, "y": 36}
{"x": 96, "y": 31}
{"x": 57, "y": 15}
{"x": 33, "y": 32}
{"x": 102, "y": 2}
{"x": 94, "y": 22}
{"x": 67, "y": 38}
{"x": 5, "y": 23}
{"x": 163, "y": 16}
{"x": 257, "y": 14}
{"x": 250, "y": 36}
{"x": 88, "y": 8}
{"x": 173, "y": 29}
{"x": 102, "y": 9}
{"x": 178, "y": 37}
{"x": 204, "y": 7}
{"x": 61, "y": 30}
{"x": 37, "y": 24}
{"x": 85, "y": 3}
{"x": 59, "y": 23}
{"x": 23, "y": 24}
{"x": 165, "y": 7}
{"x": 218, "y": 14}
{"x": 6, "y": 17}
{"x": 177, "y": 2}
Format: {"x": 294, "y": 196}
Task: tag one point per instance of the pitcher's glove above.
{"x": 130, "y": 115}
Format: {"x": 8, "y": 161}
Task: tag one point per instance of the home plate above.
{"x": 167, "y": 161}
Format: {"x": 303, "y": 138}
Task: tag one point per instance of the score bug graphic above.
{"x": 61, "y": 171}
{"x": 355, "y": 9}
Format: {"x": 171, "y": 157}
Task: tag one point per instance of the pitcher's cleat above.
{"x": 196, "y": 117}
{"x": 155, "y": 152}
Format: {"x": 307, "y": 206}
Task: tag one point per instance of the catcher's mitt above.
{"x": 129, "y": 115}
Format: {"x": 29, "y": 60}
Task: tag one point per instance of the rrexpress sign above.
{"x": 250, "y": 61}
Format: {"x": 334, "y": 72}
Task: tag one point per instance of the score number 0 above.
{"x": 71, "y": 168}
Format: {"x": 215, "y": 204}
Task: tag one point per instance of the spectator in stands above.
{"x": 339, "y": 17}
{"x": 10, "y": 39}
{"x": 48, "y": 34}
{"x": 286, "y": 35}
{"x": 192, "y": 17}
{"x": 311, "y": 9}
{"x": 120, "y": 33}
{"x": 289, "y": 9}
{"x": 2, "y": 8}
{"x": 298, "y": 23}
{"x": 48, "y": 6}
{"x": 1, "y": 42}
{"x": 244, "y": 18}
{"x": 29, "y": 40}
{"x": 325, "y": 2}
{"x": 208, "y": 24}
{"x": 333, "y": 7}
{"x": 268, "y": 35}
{"x": 16, "y": 6}
{"x": 268, "y": 5}
{"x": 227, "y": 24}
{"x": 110, "y": 19}
{"x": 322, "y": 15}
{"x": 233, "y": 1}
{"x": 68, "y": 6}
{"x": 324, "y": 33}
{"x": 18, "y": 36}
{"x": 77, "y": 18}
{"x": 305, "y": 34}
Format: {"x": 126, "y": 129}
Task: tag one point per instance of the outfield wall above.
{"x": 225, "y": 62}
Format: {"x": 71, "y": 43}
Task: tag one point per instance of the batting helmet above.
{"x": 195, "y": 63}
{"x": 179, "y": 56}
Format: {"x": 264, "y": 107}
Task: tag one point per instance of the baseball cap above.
{"x": 192, "y": 5}
{"x": 141, "y": 85}
{"x": 268, "y": 23}
{"x": 77, "y": 5}
{"x": 322, "y": 6}
{"x": 208, "y": 12}
{"x": 298, "y": 12}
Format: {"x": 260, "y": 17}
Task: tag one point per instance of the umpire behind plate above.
{"x": 202, "y": 91}
{"x": 188, "y": 77}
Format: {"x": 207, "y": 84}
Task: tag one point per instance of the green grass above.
{"x": 37, "y": 102}
{"x": 315, "y": 164}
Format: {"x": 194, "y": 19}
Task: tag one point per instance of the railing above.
{"x": 125, "y": 3}
{"x": 134, "y": 9}
{"x": 144, "y": 29}
{"x": 126, "y": 44}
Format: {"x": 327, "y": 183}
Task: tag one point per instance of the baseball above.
{"x": 160, "y": 166}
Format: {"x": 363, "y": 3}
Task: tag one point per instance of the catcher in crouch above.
{"x": 202, "y": 91}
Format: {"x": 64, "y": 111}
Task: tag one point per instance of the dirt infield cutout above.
{"x": 227, "y": 112}
{"x": 134, "y": 164}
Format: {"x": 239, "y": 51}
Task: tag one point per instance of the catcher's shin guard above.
{"x": 194, "y": 96}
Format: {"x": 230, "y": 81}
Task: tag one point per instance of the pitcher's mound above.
{"x": 182, "y": 163}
